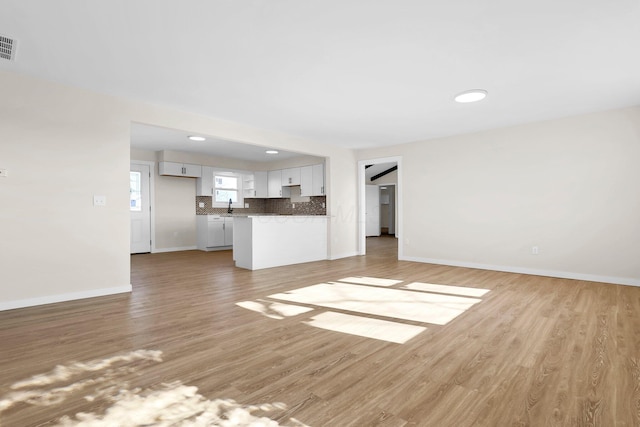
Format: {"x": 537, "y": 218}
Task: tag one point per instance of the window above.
{"x": 227, "y": 188}
{"x": 135, "y": 194}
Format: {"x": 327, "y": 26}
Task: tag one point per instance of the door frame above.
{"x": 152, "y": 196}
{"x": 362, "y": 239}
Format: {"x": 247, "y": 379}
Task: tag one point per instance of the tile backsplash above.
{"x": 315, "y": 206}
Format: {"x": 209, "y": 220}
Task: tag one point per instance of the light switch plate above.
{"x": 4, "y": 172}
{"x": 99, "y": 200}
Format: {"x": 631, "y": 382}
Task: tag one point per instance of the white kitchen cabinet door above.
{"x": 290, "y": 177}
{"x": 306, "y": 181}
{"x": 192, "y": 171}
{"x": 179, "y": 169}
{"x": 318, "y": 180}
{"x": 170, "y": 168}
{"x": 275, "y": 189}
{"x": 204, "y": 184}
{"x": 261, "y": 184}
{"x": 215, "y": 232}
{"x": 275, "y": 184}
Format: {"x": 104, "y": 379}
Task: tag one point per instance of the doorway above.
{"x": 140, "y": 205}
{"x": 374, "y": 174}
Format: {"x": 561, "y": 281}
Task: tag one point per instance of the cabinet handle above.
{"x": 184, "y": 170}
{"x": 322, "y": 190}
{"x": 289, "y": 180}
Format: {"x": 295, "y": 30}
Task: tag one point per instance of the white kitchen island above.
{"x": 264, "y": 241}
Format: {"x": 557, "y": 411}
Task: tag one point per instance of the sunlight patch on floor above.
{"x": 116, "y": 401}
{"x": 365, "y": 327}
{"x": 274, "y": 310}
{"x": 437, "y": 309}
{"x": 446, "y": 289}
{"x": 373, "y": 281}
{"x": 373, "y": 296}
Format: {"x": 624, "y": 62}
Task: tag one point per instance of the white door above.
{"x": 372, "y": 202}
{"x": 139, "y": 204}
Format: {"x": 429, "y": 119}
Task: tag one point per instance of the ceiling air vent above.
{"x": 7, "y": 48}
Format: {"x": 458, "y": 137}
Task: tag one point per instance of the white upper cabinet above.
{"x": 318, "y": 180}
{"x": 204, "y": 184}
{"x": 180, "y": 169}
{"x": 290, "y": 177}
{"x": 306, "y": 181}
{"x": 275, "y": 189}
{"x": 312, "y": 180}
{"x": 261, "y": 184}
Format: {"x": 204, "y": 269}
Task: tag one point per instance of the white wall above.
{"x": 60, "y": 147}
{"x": 63, "y": 145}
{"x": 568, "y": 186}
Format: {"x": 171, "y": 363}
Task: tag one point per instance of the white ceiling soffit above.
{"x": 356, "y": 73}
{"x": 153, "y": 138}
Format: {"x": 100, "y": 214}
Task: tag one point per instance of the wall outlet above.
{"x": 246, "y": 205}
{"x": 201, "y": 204}
{"x": 534, "y": 250}
{"x": 4, "y": 173}
{"x": 293, "y": 206}
{"x": 323, "y": 205}
{"x": 99, "y": 200}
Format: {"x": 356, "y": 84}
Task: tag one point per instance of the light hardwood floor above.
{"x": 534, "y": 351}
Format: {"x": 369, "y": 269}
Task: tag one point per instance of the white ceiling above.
{"x": 155, "y": 138}
{"x": 375, "y": 169}
{"x": 356, "y": 73}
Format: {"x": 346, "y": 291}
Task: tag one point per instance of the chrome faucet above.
{"x": 229, "y": 209}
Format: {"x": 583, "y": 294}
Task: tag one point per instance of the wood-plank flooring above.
{"x": 536, "y": 351}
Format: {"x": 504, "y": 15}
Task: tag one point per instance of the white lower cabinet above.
{"x": 214, "y": 232}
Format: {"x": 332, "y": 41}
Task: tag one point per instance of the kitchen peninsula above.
{"x": 264, "y": 241}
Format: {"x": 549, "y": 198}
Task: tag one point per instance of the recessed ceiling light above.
{"x": 197, "y": 138}
{"x": 471, "y": 96}
{"x": 271, "y": 151}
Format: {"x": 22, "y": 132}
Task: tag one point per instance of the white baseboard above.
{"x": 183, "y": 248}
{"x": 532, "y": 271}
{"x": 343, "y": 255}
{"x": 50, "y": 299}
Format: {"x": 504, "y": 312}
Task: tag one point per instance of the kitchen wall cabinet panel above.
{"x": 261, "y": 184}
{"x": 179, "y": 169}
{"x": 318, "y": 180}
{"x": 306, "y": 181}
{"x": 312, "y": 180}
{"x": 290, "y": 176}
{"x": 275, "y": 188}
{"x": 204, "y": 184}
